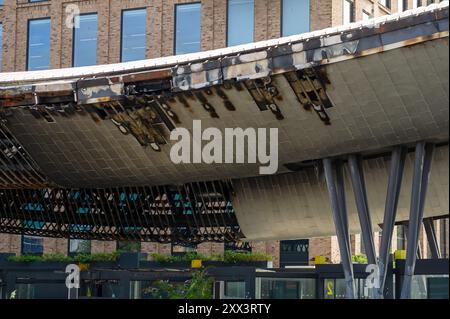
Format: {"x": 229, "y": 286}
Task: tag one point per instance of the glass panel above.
{"x": 135, "y": 289}
{"x": 401, "y": 237}
{"x": 79, "y": 246}
{"x": 41, "y": 291}
{"x": 134, "y": 24}
{"x": 295, "y": 17}
{"x": 339, "y": 292}
{"x": 38, "y": 44}
{"x": 235, "y": 289}
{"x": 328, "y": 289}
{"x": 429, "y": 287}
{"x": 187, "y": 28}
{"x": 288, "y": 288}
{"x": 32, "y": 245}
{"x": 240, "y": 22}
{"x": 85, "y": 40}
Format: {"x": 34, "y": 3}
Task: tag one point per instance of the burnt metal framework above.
{"x": 191, "y": 213}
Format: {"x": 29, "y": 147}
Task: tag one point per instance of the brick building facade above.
{"x": 160, "y": 36}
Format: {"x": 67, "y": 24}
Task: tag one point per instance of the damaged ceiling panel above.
{"x": 113, "y": 128}
{"x": 85, "y": 152}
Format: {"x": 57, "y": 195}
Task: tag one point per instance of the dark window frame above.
{"x": 22, "y": 246}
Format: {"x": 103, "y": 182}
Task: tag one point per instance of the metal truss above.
{"x": 191, "y": 213}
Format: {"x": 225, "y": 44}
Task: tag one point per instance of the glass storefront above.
{"x": 280, "y": 288}
{"x": 429, "y": 287}
{"x": 334, "y": 288}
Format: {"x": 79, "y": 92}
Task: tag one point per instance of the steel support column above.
{"x": 359, "y": 190}
{"x": 336, "y": 192}
{"x": 431, "y": 237}
{"x": 422, "y": 167}
{"x": 390, "y": 212}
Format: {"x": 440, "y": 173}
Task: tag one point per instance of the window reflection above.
{"x": 187, "y": 28}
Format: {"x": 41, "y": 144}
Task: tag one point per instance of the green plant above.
{"x": 57, "y": 257}
{"x": 360, "y": 259}
{"x": 161, "y": 258}
{"x": 199, "y": 287}
{"x": 239, "y": 257}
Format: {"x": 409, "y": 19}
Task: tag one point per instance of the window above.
{"x": 386, "y": 3}
{"x": 295, "y": 17}
{"x": 240, "y": 22}
{"x": 366, "y": 15}
{"x": 401, "y": 237}
{"x": 38, "y": 55}
{"x": 79, "y": 246}
{"x": 1, "y": 44}
{"x": 129, "y": 246}
{"x": 1, "y": 2}
{"x": 402, "y": 5}
{"x": 349, "y": 15}
{"x": 187, "y": 28}
{"x": 134, "y": 25}
{"x": 85, "y": 40}
{"x": 417, "y": 3}
{"x": 32, "y": 245}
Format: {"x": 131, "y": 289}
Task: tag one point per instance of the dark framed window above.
{"x": 134, "y": 28}
{"x": 294, "y": 17}
{"x": 85, "y": 40}
{"x": 187, "y": 28}
{"x": 38, "y": 47}
{"x": 349, "y": 11}
{"x": 385, "y": 3}
{"x": 128, "y": 246}
{"x": 79, "y": 246}
{"x": 240, "y": 21}
{"x": 32, "y": 245}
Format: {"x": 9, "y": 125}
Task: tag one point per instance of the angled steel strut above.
{"x": 422, "y": 167}
{"x": 336, "y": 192}
{"x": 393, "y": 192}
